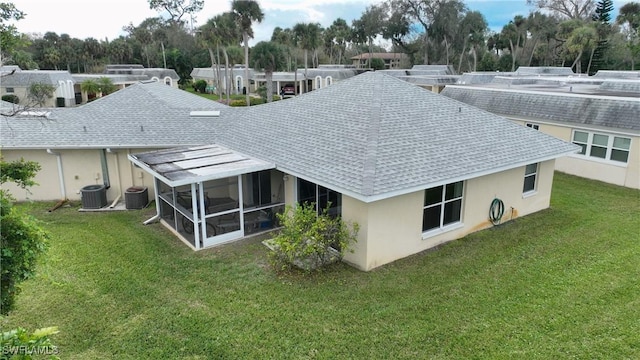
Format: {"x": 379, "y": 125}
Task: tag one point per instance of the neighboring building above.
{"x": 387, "y": 154}
{"x": 17, "y": 82}
{"x": 391, "y": 60}
{"x": 600, "y": 113}
{"x": 232, "y": 78}
{"x": 431, "y": 77}
{"x": 68, "y": 86}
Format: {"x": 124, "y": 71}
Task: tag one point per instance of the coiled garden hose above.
{"x": 496, "y": 210}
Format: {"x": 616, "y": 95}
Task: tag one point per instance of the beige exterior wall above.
{"x": 391, "y": 229}
{"x": 79, "y": 169}
{"x": 611, "y": 172}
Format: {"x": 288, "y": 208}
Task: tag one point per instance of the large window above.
{"x": 442, "y": 206}
{"x": 603, "y": 146}
{"x": 530, "y": 175}
{"x": 321, "y": 196}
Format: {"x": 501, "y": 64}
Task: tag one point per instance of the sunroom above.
{"x": 209, "y": 195}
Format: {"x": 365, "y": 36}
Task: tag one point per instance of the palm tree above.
{"x": 307, "y": 36}
{"x": 268, "y": 56}
{"x": 91, "y": 87}
{"x": 246, "y": 12}
{"x": 222, "y": 31}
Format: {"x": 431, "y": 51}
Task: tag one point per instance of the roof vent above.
{"x": 207, "y": 113}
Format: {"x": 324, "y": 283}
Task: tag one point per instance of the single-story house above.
{"x": 599, "y": 113}
{"x": 391, "y": 60}
{"x": 16, "y": 81}
{"x": 397, "y": 159}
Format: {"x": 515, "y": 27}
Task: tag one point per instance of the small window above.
{"x": 620, "y": 149}
{"x": 599, "y": 146}
{"x": 533, "y": 126}
{"x": 581, "y": 138}
{"x": 318, "y": 82}
{"x": 10, "y": 90}
{"x": 328, "y": 80}
{"x": 168, "y": 81}
{"x": 442, "y": 206}
{"x": 530, "y": 174}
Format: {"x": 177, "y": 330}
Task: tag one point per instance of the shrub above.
{"x": 310, "y": 240}
{"x": 20, "y": 344}
{"x": 200, "y": 86}
{"x": 11, "y": 98}
{"x": 243, "y": 102}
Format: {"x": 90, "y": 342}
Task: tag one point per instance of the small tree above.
{"x": 22, "y": 240}
{"x": 106, "y": 86}
{"x": 91, "y": 87}
{"x": 377, "y": 64}
{"x": 39, "y": 93}
{"x": 310, "y": 240}
{"x": 200, "y": 86}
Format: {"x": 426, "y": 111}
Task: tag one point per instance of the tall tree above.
{"x": 629, "y": 19}
{"x": 246, "y": 12}
{"x": 307, "y": 37}
{"x": 269, "y": 57}
{"x": 9, "y": 36}
{"x": 572, "y": 9}
{"x": 370, "y": 24}
{"x": 602, "y": 19}
{"x": 473, "y": 28}
{"x": 176, "y": 8}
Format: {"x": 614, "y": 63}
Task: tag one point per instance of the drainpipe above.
{"x": 115, "y": 153}
{"x": 105, "y": 169}
{"x": 60, "y": 173}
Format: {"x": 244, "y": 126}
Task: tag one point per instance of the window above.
{"x": 318, "y": 82}
{"x": 442, "y": 206}
{"x": 530, "y": 174}
{"x": 533, "y": 126}
{"x": 321, "y": 196}
{"x": 329, "y": 80}
{"x": 10, "y": 90}
{"x": 602, "y": 146}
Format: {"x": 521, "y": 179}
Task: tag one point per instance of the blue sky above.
{"x": 102, "y": 19}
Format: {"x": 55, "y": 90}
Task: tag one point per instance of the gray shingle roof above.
{"x": 25, "y": 78}
{"x": 141, "y": 115}
{"x": 611, "y": 112}
{"x": 373, "y": 135}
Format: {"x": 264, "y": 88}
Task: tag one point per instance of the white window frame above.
{"x": 534, "y": 174}
{"x": 329, "y": 80}
{"x": 318, "y": 82}
{"x": 442, "y": 203}
{"x": 589, "y": 145}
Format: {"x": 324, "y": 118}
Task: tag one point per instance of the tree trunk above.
{"x": 576, "y": 63}
{"x": 227, "y": 75}
{"x": 475, "y": 59}
{"x": 513, "y": 56}
{"x": 533, "y": 50}
{"x": 295, "y": 79}
{"x": 464, "y": 46}
{"x": 305, "y": 70}
{"x": 591, "y": 59}
{"x": 245, "y": 39}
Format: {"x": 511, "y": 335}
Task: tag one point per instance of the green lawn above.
{"x": 560, "y": 284}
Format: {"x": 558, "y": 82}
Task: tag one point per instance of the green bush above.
{"x": 243, "y": 102}
{"x": 200, "y": 86}
{"x": 310, "y": 240}
{"x": 11, "y": 98}
{"x": 20, "y": 344}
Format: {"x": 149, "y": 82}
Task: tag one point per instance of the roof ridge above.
{"x": 371, "y": 152}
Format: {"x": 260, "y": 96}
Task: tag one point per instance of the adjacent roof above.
{"x": 25, "y": 78}
{"x": 143, "y": 115}
{"x": 385, "y": 56}
{"x": 373, "y": 136}
{"x": 549, "y": 104}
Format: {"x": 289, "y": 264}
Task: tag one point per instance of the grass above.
{"x": 559, "y": 284}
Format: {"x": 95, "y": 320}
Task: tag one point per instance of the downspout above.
{"x": 115, "y": 153}
{"x": 105, "y": 169}
{"x": 60, "y": 173}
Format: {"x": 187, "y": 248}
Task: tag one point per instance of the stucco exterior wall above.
{"x": 79, "y": 168}
{"x": 611, "y": 172}
{"x": 391, "y": 229}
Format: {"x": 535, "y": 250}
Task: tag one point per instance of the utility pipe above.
{"x": 111, "y": 151}
{"x": 60, "y": 173}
